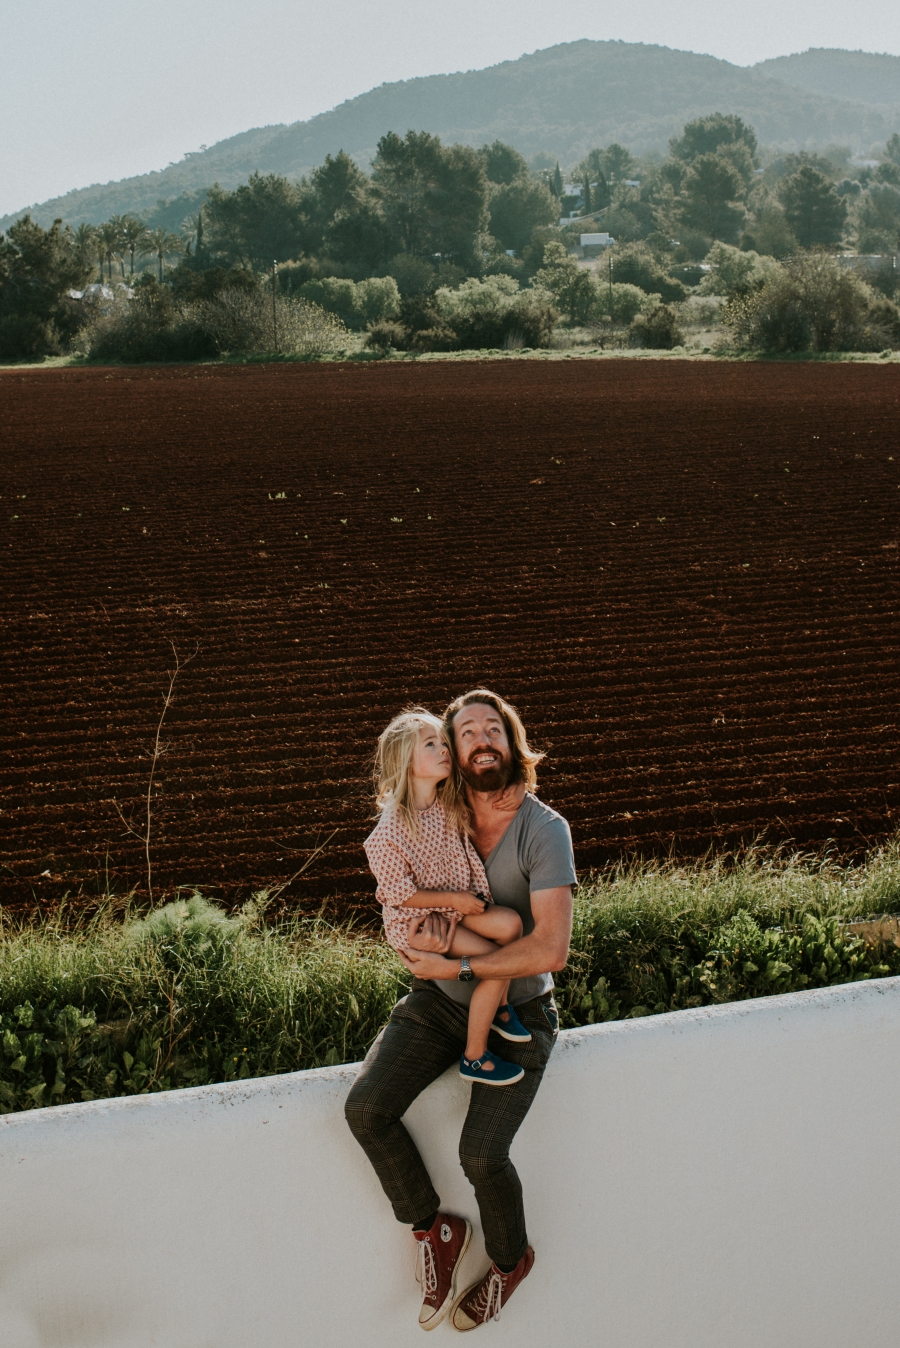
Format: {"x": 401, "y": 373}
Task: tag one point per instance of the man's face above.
{"x": 482, "y": 748}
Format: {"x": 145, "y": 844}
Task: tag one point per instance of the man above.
{"x": 527, "y": 851}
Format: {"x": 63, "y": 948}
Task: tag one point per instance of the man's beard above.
{"x": 496, "y": 778}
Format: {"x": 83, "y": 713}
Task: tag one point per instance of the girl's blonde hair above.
{"x": 392, "y": 773}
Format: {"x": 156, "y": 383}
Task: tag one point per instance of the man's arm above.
{"x": 545, "y": 950}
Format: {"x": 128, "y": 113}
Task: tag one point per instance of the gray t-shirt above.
{"x": 534, "y": 853}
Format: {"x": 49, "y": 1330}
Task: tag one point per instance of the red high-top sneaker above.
{"x": 484, "y": 1299}
{"x": 438, "y": 1255}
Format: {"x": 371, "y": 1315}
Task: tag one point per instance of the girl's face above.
{"x": 431, "y": 760}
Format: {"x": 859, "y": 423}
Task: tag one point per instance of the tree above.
{"x": 434, "y": 197}
{"x": 518, "y": 208}
{"x": 811, "y": 303}
{"x": 573, "y": 288}
{"x": 162, "y": 244}
{"x": 878, "y": 219}
{"x": 616, "y": 163}
{"x": 134, "y": 235}
{"x": 37, "y": 268}
{"x": 635, "y": 264}
{"x": 705, "y": 135}
{"x": 892, "y": 149}
{"x": 502, "y": 164}
{"x": 260, "y": 220}
{"x": 592, "y": 171}
{"x": 84, "y": 239}
{"x": 710, "y": 190}
{"x": 338, "y": 185}
{"x": 556, "y": 182}
{"x": 812, "y": 207}
{"x": 109, "y": 238}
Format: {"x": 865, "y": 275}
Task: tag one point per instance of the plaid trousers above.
{"x": 425, "y": 1035}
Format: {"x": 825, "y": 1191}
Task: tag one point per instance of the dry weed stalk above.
{"x": 158, "y": 750}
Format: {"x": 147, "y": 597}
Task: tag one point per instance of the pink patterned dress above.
{"x": 439, "y": 858}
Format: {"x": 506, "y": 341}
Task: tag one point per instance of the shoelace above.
{"x": 490, "y": 1298}
{"x": 426, "y": 1272}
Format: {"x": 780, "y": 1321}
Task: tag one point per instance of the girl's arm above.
{"x": 463, "y": 901}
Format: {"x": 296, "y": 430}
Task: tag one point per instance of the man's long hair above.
{"x": 524, "y": 758}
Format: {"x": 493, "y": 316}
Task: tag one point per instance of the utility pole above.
{"x": 609, "y": 260}
{"x": 274, "y": 306}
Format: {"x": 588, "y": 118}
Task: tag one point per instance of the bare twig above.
{"x": 158, "y": 750}
{"x": 316, "y": 852}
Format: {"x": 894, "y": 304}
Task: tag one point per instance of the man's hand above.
{"x": 432, "y": 933}
{"x": 425, "y": 965}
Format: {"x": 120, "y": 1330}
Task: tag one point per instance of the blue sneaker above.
{"x": 500, "y": 1073}
{"x": 511, "y": 1028}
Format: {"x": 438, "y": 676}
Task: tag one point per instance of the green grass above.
{"x": 189, "y": 994}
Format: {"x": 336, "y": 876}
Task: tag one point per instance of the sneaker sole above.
{"x": 459, "y": 1301}
{"x": 513, "y": 1038}
{"x": 486, "y": 1080}
{"x": 451, "y": 1297}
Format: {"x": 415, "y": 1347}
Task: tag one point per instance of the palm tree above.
{"x": 120, "y": 223}
{"x": 192, "y": 229}
{"x": 85, "y": 240}
{"x": 135, "y": 237}
{"x": 163, "y": 244}
{"x": 108, "y": 237}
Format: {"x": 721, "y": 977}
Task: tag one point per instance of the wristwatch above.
{"x": 465, "y": 974}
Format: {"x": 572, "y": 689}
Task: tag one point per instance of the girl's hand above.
{"x": 468, "y": 905}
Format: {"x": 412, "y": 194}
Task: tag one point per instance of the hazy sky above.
{"x": 93, "y": 90}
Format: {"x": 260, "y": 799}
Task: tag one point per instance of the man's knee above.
{"x": 482, "y": 1163}
{"x": 366, "y": 1115}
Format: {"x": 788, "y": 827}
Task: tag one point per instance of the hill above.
{"x": 859, "y": 76}
{"x": 562, "y": 100}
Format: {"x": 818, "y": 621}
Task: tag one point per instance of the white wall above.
{"x": 721, "y": 1178}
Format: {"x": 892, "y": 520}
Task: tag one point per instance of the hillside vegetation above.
{"x": 447, "y": 248}
{"x": 560, "y": 102}
{"x": 858, "y": 76}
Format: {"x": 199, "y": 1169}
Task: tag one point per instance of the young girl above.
{"x": 424, "y": 864}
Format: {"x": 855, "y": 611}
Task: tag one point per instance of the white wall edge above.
{"x": 718, "y": 1176}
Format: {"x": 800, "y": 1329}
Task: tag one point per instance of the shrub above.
{"x": 148, "y": 327}
{"x": 624, "y": 302}
{"x": 27, "y": 337}
{"x": 184, "y": 996}
{"x": 733, "y": 271}
{"x": 356, "y": 303}
{"x": 657, "y": 329}
{"x": 811, "y": 303}
{"x": 655, "y": 938}
{"x": 242, "y": 323}
{"x": 635, "y": 264}
{"x": 573, "y": 288}
{"x": 486, "y": 314}
{"x": 387, "y": 337}
{"x": 441, "y": 337}
{"x": 151, "y": 326}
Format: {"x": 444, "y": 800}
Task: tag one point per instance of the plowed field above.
{"x": 684, "y": 574}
